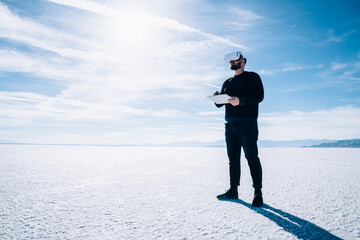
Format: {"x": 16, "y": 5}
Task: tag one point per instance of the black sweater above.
{"x": 248, "y": 87}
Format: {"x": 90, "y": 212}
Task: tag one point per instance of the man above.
{"x": 241, "y": 129}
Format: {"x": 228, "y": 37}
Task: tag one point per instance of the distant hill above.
{"x": 270, "y": 143}
{"x": 292, "y": 143}
{"x": 261, "y": 143}
{"x": 351, "y": 143}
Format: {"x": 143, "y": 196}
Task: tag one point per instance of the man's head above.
{"x": 236, "y": 60}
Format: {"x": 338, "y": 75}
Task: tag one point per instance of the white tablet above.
{"x": 220, "y": 99}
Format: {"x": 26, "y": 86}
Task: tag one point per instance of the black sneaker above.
{"x": 230, "y": 194}
{"x": 258, "y": 201}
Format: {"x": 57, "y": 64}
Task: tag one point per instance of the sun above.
{"x": 132, "y": 29}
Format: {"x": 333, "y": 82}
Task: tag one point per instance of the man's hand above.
{"x": 216, "y": 93}
{"x": 234, "y": 101}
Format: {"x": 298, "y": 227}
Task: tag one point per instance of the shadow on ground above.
{"x": 301, "y": 228}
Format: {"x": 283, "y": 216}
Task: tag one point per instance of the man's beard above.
{"x": 236, "y": 66}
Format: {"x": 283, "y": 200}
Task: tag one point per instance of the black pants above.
{"x": 245, "y": 136}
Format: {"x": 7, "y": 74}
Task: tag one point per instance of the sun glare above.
{"x": 131, "y": 29}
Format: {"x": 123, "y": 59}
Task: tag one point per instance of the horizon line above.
{"x": 172, "y": 144}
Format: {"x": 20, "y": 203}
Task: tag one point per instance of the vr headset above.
{"x": 234, "y": 56}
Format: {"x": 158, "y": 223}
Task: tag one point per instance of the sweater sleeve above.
{"x": 255, "y": 93}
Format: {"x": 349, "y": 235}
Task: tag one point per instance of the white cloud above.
{"x": 241, "y": 19}
{"x": 104, "y": 58}
{"x": 337, "y": 123}
{"x": 344, "y": 74}
{"x": 245, "y": 15}
{"x": 297, "y": 88}
{"x": 338, "y": 66}
{"x": 216, "y": 113}
{"x": 339, "y": 38}
{"x": 29, "y": 32}
{"x": 334, "y": 38}
{"x": 28, "y": 108}
{"x": 131, "y": 16}
{"x": 290, "y": 67}
{"x": 268, "y": 72}
{"x": 106, "y": 79}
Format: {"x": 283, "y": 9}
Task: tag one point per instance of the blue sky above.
{"x": 137, "y": 72}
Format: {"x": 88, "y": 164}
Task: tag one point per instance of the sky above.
{"x": 139, "y": 72}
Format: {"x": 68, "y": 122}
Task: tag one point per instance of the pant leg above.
{"x": 233, "y": 147}
{"x": 249, "y": 137}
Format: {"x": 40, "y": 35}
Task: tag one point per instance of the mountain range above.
{"x": 352, "y": 143}
{"x": 270, "y": 143}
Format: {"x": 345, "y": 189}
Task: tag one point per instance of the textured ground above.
{"x": 72, "y": 192}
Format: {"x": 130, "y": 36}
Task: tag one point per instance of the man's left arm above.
{"x": 255, "y": 94}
